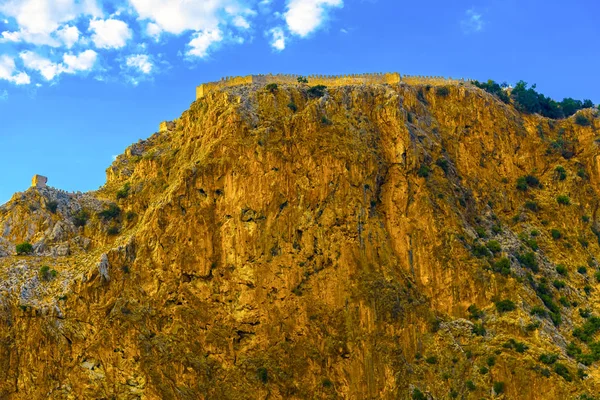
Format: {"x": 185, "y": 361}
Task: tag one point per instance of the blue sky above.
{"x": 80, "y": 80}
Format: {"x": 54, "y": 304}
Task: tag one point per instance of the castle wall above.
{"x": 327, "y": 80}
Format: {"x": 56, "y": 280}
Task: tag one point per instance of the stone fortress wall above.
{"x": 327, "y": 80}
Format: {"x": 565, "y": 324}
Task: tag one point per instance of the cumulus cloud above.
{"x": 44, "y": 66}
{"x": 241, "y": 22}
{"x": 473, "y": 22}
{"x": 39, "y": 20}
{"x": 71, "y": 64}
{"x": 277, "y": 38}
{"x": 110, "y": 33}
{"x": 9, "y": 73}
{"x": 140, "y": 62}
{"x": 85, "y": 61}
{"x": 69, "y": 35}
{"x": 202, "y": 41}
{"x": 179, "y": 16}
{"x": 305, "y": 16}
{"x": 153, "y": 30}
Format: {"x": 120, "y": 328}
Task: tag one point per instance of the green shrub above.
{"x": 442, "y": 91}
{"x": 80, "y": 218}
{"x": 47, "y": 274}
{"x": 494, "y": 246}
{"x": 582, "y": 174}
{"x": 502, "y": 266}
{"x": 262, "y": 374}
{"x": 505, "y": 305}
{"x": 564, "y": 301}
{"x": 418, "y": 395}
{"x": 555, "y": 233}
{"x": 24, "y": 248}
{"x": 532, "y": 205}
{"x": 483, "y": 370}
{"x": 491, "y": 361}
{"x": 597, "y": 275}
{"x": 481, "y": 232}
{"x": 498, "y": 388}
{"x": 561, "y": 173}
{"x": 443, "y": 164}
{"x": 431, "y": 360}
{"x": 423, "y": 171}
{"x": 522, "y": 184}
{"x": 585, "y": 312}
{"x": 582, "y": 120}
{"x": 563, "y": 371}
{"x": 548, "y": 358}
{"x": 582, "y": 270}
{"x": 585, "y": 218}
{"x": 478, "y": 330}
{"x": 586, "y": 332}
{"x": 130, "y": 215}
{"x": 302, "y": 79}
{"x": 470, "y": 386}
{"x": 528, "y": 260}
{"x": 271, "y": 87}
{"x": 113, "y": 230}
{"x": 539, "y": 311}
{"x": 479, "y": 250}
{"x": 559, "y": 284}
{"x": 519, "y": 347}
{"x": 494, "y": 88}
{"x": 113, "y": 211}
{"x": 563, "y": 200}
{"x": 325, "y": 120}
{"x": 124, "y": 191}
{"x": 327, "y": 383}
{"x": 317, "y": 91}
{"x": 561, "y": 269}
{"x": 293, "y": 107}
{"x": 52, "y": 206}
{"x": 474, "y": 312}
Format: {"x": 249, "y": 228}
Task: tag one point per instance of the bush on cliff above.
{"x": 24, "y": 248}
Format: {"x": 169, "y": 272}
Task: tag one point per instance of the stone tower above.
{"x": 39, "y": 181}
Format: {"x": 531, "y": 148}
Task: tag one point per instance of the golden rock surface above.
{"x": 274, "y": 245}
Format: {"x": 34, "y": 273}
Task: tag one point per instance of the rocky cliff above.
{"x": 357, "y": 242}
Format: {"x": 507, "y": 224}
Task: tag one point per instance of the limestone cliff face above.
{"x": 290, "y": 245}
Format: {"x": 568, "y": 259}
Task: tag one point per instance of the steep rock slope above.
{"x": 359, "y": 243}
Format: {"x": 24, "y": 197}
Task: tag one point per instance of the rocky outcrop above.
{"x": 370, "y": 241}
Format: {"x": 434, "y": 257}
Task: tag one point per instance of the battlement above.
{"x": 327, "y": 80}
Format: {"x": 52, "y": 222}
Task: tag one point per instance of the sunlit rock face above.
{"x": 358, "y": 242}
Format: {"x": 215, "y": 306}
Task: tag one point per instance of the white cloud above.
{"x": 153, "y": 30}
{"x": 473, "y": 22}
{"x": 277, "y": 38}
{"x": 179, "y": 16}
{"x": 305, "y": 16}
{"x": 9, "y": 73}
{"x": 110, "y": 33}
{"x": 39, "y": 19}
{"x": 202, "y": 41}
{"x": 3, "y": 95}
{"x": 45, "y": 67}
{"x": 141, "y": 62}
{"x": 85, "y": 61}
{"x": 241, "y": 22}
{"x": 69, "y": 35}
{"x": 71, "y": 64}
